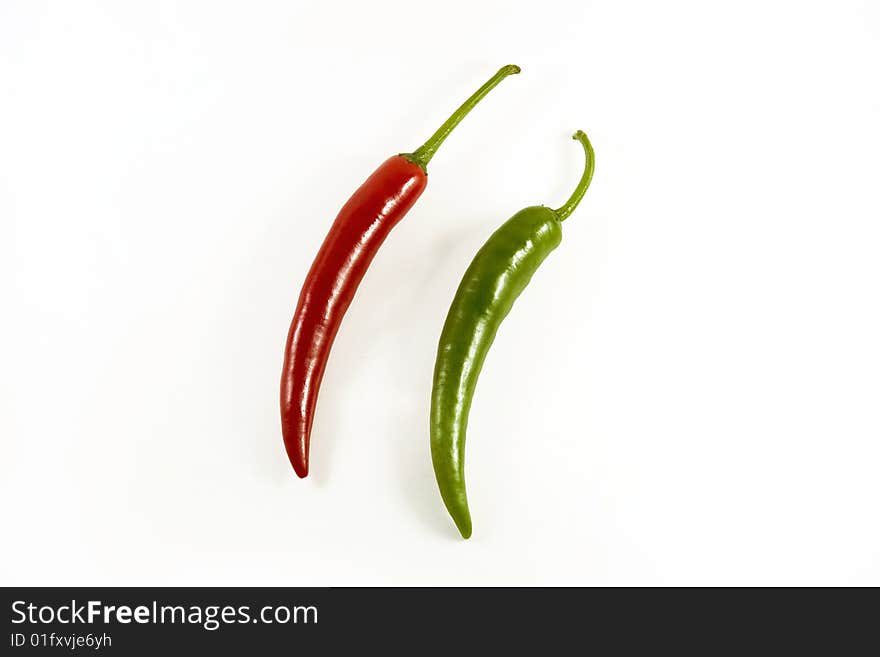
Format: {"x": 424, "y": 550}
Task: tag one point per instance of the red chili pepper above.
{"x": 359, "y": 230}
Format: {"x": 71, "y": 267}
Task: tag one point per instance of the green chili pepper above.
{"x": 499, "y": 272}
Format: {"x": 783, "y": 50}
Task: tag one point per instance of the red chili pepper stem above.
{"x": 423, "y": 154}
{"x": 581, "y": 189}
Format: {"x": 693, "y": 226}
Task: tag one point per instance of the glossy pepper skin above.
{"x": 354, "y": 239}
{"x": 498, "y": 274}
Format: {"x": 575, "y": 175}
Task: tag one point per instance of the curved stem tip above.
{"x": 581, "y": 189}
{"x": 423, "y": 154}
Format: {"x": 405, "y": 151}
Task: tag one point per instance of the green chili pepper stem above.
{"x": 579, "y": 191}
{"x": 423, "y": 154}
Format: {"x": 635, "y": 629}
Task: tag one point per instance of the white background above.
{"x": 687, "y": 393}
